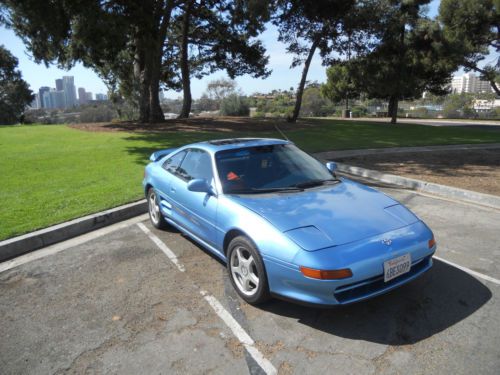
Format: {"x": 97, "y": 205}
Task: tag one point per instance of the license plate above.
{"x": 396, "y": 267}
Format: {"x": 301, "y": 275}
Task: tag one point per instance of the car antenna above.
{"x": 279, "y": 131}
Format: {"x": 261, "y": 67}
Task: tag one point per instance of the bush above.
{"x": 96, "y": 114}
{"x": 234, "y": 105}
{"x": 359, "y": 111}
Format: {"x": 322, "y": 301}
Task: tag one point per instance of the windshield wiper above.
{"x": 313, "y": 183}
{"x": 266, "y": 190}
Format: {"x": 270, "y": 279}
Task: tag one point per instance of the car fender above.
{"x": 271, "y": 243}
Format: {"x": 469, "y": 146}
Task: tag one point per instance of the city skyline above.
{"x": 63, "y": 95}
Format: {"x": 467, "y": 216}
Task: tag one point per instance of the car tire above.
{"x": 246, "y": 271}
{"x": 155, "y": 214}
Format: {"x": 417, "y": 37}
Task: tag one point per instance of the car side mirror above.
{"x": 332, "y": 166}
{"x": 200, "y": 185}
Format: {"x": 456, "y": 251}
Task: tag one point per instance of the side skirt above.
{"x": 197, "y": 239}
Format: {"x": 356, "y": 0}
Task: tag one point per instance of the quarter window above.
{"x": 172, "y": 164}
{"x": 196, "y": 164}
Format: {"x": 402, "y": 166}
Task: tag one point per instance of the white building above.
{"x": 469, "y": 83}
{"x": 483, "y": 105}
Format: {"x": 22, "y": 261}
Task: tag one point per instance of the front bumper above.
{"x": 365, "y": 259}
{"x": 329, "y": 293}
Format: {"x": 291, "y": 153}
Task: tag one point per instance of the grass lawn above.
{"x": 53, "y": 173}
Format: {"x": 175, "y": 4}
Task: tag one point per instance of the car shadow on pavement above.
{"x": 438, "y": 300}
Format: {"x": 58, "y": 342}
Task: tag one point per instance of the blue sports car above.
{"x": 284, "y": 223}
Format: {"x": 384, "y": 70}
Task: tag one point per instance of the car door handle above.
{"x": 172, "y": 190}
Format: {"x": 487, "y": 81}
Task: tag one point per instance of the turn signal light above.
{"x": 326, "y": 275}
{"x": 432, "y": 243}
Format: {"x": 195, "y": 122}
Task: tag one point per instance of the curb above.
{"x": 468, "y": 196}
{"x": 26, "y": 243}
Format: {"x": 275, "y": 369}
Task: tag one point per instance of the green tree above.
{"x": 223, "y": 34}
{"x": 313, "y": 103}
{"x": 123, "y": 41}
{"x": 234, "y": 105}
{"x": 307, "y": 25}
{"x": 136, "y": 47}
{"x": 339, "y": 85}
{"x": 15, "y": 94}
{"x": 410, "y": 56}
{"x": 472, "y": 27}
{"x": 218, "y": 89}
{"x": 458, "y": 106}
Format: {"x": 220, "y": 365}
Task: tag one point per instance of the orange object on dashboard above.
{"x": 231, "y": 176}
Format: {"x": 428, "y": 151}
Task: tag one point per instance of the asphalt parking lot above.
{"x": 131, "y": 299}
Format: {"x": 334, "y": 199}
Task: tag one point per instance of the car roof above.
{"x": 234, "y": 143}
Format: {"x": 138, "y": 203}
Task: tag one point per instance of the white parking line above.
{"x": 54, "y": 249}
{"x": 169, "y": 253}
{"x": 469, "y": 271}
{"x": 240, "y": 333}
{"x": 226, "y": 317}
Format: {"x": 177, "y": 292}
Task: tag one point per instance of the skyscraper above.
{"x": 59, "y": 84}
{"x": 82, "y": 96}
{"x": 57, "y": 99}
{"x": 89, "y": 96}
{"x": 46, "y": 100}
{"x": 69, "y": 91}
{"x": 41, "y": 93}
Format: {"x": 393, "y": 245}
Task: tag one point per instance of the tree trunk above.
{"x": 186, "y": 81}
{"x": 495, "y": 87}
{"x": 149, "y": 41}
{"x": 393, "y": 109}
{"x": 155, "y": 111}
{"x": 300, "y": 89}
{"x": 141, "y": 80}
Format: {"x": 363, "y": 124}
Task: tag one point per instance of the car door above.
{"x": 195, "y": 211}
{"x": 163, "y": 180}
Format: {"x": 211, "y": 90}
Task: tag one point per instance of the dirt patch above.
{"x": 269, "y": 350}
{"x": 235, "y": 347}
{"x": 477, "y": 170}
{"x": 197, "y": 124}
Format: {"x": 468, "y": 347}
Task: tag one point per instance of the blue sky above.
{"x": 282, "y": 76}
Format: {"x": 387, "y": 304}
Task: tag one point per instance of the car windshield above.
{"x": 272, "y": 168}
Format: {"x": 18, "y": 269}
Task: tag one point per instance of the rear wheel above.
{"x": 246, "y": 271}
{"x": 155, "y": 214}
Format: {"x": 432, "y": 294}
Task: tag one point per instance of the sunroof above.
{"x": 231, "y": 141}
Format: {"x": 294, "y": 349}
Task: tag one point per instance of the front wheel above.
{"x": 246, "y": 271}
{"x": 155, "y": 214}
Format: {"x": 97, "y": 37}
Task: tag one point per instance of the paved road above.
{"x": 335, "y": 154}
{"x": 483, "y": 124}
{"x": 113, "y": 302}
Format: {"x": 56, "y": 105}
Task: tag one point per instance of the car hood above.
{"x": 330, "y": 215}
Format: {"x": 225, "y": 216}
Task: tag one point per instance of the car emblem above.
{"x": 387, "y": 241}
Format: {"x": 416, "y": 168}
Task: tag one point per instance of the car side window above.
{"x": 172, "y": 164}
{"x": 196, "y": 164}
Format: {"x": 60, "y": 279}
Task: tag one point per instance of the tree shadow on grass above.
{"x": 441, "y": 298}
{"x": 144, "y": 144}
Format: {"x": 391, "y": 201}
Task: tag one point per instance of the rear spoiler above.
{"x": 155, "y": 156}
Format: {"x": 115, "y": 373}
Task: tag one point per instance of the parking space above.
{"x": 116, "y": 303}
